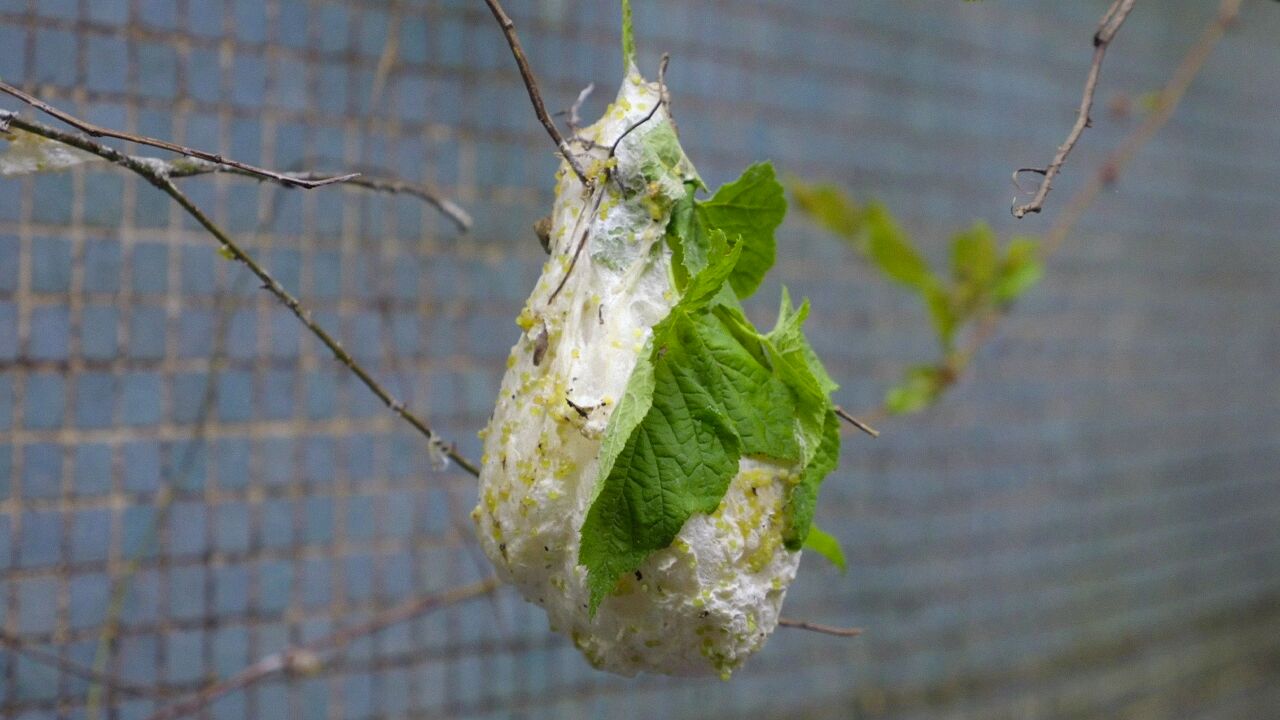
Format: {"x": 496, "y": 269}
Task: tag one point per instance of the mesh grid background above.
{"x": 1086, "y": 527}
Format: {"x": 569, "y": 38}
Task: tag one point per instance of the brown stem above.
{"x": 18, "y": 646}
{"x": 158, "y": 177}
{"x": 460, "y": 217}
{"x": 1170, "y": 97}
{"x": 531, "y": 84}
{"x": 308, "y": 658}
{"x": 99, "y": 131}
{"x": 1111, "y": 22}
{"x": 819, "y": 628}
{"x": 1109, "y": 171}
{"x": 864, "y": 427}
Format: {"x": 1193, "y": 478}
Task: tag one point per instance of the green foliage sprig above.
{"x": 983, "y": 281}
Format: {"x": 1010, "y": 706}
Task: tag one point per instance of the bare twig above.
{"x": 535, "y": 96}
{"x": 575, "y": 119}
{"x": 664, "y": 93}
{"x": 309, "y": 657}
{"x": 1110, "y": 23}
{"x": 864, "y": 427}
{"x": 613, "y": 149}
{"x": 107, "y": 646}
{"x": 589, "y": 216}
{"x": 1166, "y": 103}
{"x": 460, "y": 217}
{"x": 98, "y": 131}
{"x": 819, "y": 628}
{"x": 1108, "y": 172}
{"x": 47, "y": 658}
{"x": 156, "y": 176}
{"x": 390, "y": 54}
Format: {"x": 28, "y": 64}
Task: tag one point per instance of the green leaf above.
{"x": 660, "y": 153}
{"x": 638, "y": 396}
{"x": 803, "y": 373}
{"x": 712, "y": 398}
{"x": 804, "y": 494}
{"x": 891, "y": 250}
{"x": 1020, "y": 270}
{"x": 830, "y": 208}
{"x": 709, "y": 389}
{"x": 710, "y": 279}
{"x": 712, "y": 401}
{"x": 750, "y": 207}
{"x": 678, "y": 461}
{"x": 919, "y": 390}
{"x": 630, "y": 410}
{"x": 974, "y": 256}
{"x": 756, "y": 400}
{"x": 628, "y": 37}
{"x": 688, "y": 245}
{"x": 943, "y": 313}
{"x": 825, "y": 545}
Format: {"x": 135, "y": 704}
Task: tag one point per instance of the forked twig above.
{"x": 18, "y": 646}
{"x": 157, "y": 175}
{"x": 98, "y": 131}
{"x": 309, "y": 657}
{"x": 1170, "y": 97}
{"x": 575, "y": 119}
{"x": 1107, "y": 27}
{"x": 460, "y": 217}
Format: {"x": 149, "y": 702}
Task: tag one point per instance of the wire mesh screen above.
{"x": 1088, "y": 526}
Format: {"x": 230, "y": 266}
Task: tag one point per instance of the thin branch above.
{"x": 613, "y": 150}
{"x": 574, "y": 118}
{"x": 1167, "y": 102}
{"x": 819, "y": 628}
{"x": 390, "y": 54}
{"x": 1111, "y": 22}
{"x": 98, "y": 131}
{"x": 864, "y": 427}
{"x": 155, "y": 175}
{"x": 595, "y": 206}
{"x": 1109, "y": 171}
{"x": 535, "y": 96}
{"x": 47, "y": 658}
{"x": 460, "y": 217}
{"x": 108, "y": 648}
{"x": 309, "y": 657}
{"x": 192, "y": 166}
{"x": 664, "y": 94}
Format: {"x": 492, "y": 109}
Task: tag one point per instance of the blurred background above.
{"x": 1087, "y": 525}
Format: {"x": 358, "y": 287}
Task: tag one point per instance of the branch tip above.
{"x": 1110, "y": 23}
{"x": 847, "y": 632}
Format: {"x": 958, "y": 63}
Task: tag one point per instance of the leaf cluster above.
{"x": 710, "y": 389}
{"x": 983, "y": 279}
